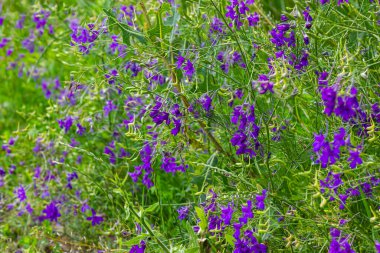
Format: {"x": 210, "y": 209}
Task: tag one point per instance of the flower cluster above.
{"x": 238, "y": 10}
{"x": 328, "y": 153}
{"x": 246, "y": 136}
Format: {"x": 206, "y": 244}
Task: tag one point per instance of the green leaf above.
{"x": 127, "y": 32}
{"x": 136, "y": 240}
{"x": 152, "y": 208}
{"x": 202, "y": 216}
{"x": 160, "y": 30}
{"x": 192, "y": 250}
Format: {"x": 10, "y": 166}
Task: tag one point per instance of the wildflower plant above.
{"x": 190, "y": 126}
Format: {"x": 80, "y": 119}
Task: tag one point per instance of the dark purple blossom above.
{"x": 246, "y": 212}
{"x": 189, "y": 69}
{"x": 307, "y": 17}
{"x": 183, "y": 212}
{"x": 138, "y": 248}
{"x": 254, "y": 19}
{"x": 216, "y": 26}
{"x": 169, "y": 165}
{"x": 329, "y": 99}
{"x": 226, "y": 213}
{"x": 66, "y": 123}
{"x": 20, "y": 193}
{"x": 95, "y": 219}
{"x": 260, "y": 198}
{"x": 109, "y": 107}
{"x": 51, "y": 212}
{"x": 354, "y": 158}
{"x": 146, "y": 154}
{"x": 265, "y": 84}
{"x": 20, "y": 22}
{"x": 157, "y": 115}
{"x": 205, "y": 101}
{"x": 347, "y": 106}
{"x": 180, "y": 61}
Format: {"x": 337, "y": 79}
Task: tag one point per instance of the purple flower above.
{"x": 215, "y": 26}
{"x": 169, "y": 165}
{"x": 109, "y": 107}
{"x": 80, "y": 129}
{"x": 343, "y": 198}
{"x": 70, "y": 177}
{"x": 226, "y": 213}
{"x": 265, "y": 84}
{"x": 246, "y": 212}
{"x": 20, "y": 193}
{"x": 332, "y": 182}
{"x": 339, "y": 140}
{"x": 146, "y": 166}
{"x": 20, "y": 22}
{"x": 189, "y": 69}
{"x": 29, "y": 209}
{"x": 307, "y": 17}
{"x": 66, "y": 123}
{"x": 51, "y": 212}
{"x": 329, "y": 98}
{"x": 254, "y": 19}
{"x": 206, "y": 100}
{"x": 177, "y": 126}
{"x": 260, "y": 205}
{"x": 180, "y": 61}
{"x": 134, "y": 67}
{"x": 183, "y": 212}
{"x": 37, "y": 172}
{"x": 85, "y": 207}
{"x": 109, "y": 150}
{"x": 95, "y": 219}
{"x": 306, "y": 39}
{"x": 377, "y": 246}
{"x": 346, "y": 107}
{"x": 341, "y": 1}
{"x": 354, "y": 158}
{"x": 138, "y": 248}
{"x": 157, "y": 115}
{"x": 323, "y": 79}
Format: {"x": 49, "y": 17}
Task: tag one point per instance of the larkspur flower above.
{"x": 216, "y": 26}
{"x": 307, "y": 17}
{"x": 95, "y": 219}
{"x": 158, "y": 116}
{"x": 183, "y": 212}
{"x": 260, "y": 198}
{"x": 329, "y": 99}
{"x": 264, "y": 84}
{"x": 169, "y": 165}
{"x": 66, "y": 123}
{"x": 206, "y": 101}
{"x": 342, "y": 1}
{"x": 109, "y": 107}
{"x": 189, "y": 69}
{"x": 20, "y": 193}
{"x": 51, "y": 212}
{"x": 226, "y": 213}
{"x": 254, "y": 19}
{"x": 138, "y": 248}
{"x": 246, "y": 212}
{"x": 347, "y": 106}
{"x": 354, "y": 158}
